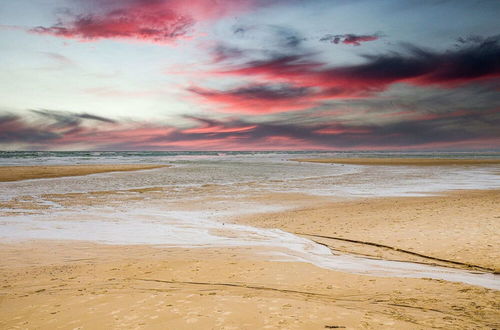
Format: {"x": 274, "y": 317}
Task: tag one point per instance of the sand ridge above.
{"x": 460, "y": 226}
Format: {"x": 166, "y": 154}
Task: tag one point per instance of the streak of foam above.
{"x": 196, "y": 229}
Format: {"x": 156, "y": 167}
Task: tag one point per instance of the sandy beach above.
{"x": 47, "y": 284}
{"x": 460, "y": 227}
{"x": 16, "y": 173}
{"x": 80, "y": 285}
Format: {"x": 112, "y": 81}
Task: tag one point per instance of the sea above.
{"x": 91, "y": 157}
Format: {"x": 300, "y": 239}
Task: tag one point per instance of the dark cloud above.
{"x": 46, "y": 127}
{"x": 415, "y": 66}
{"x": 260, "y": 91}
{"x": 239, "y": 30}
{"x": 63, "y": 119}
{"x": 222, "y": 53}
{"x": 94, "y": 117}
{"x": 14, "y": 129}
{"x": 273, "y": 36}
{"x": 423, "y": 67}
{"x": 459, "y": 129}
{"x": 350, "y": 39}
{"x": 422, "y": 133}
{"x": 469, "y": 39}
{"x": 288, "y": 37}
{"x": 260, "y": 98}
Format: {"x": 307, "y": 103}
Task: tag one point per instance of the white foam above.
{"x": 196, "y": 229}
{"x": 254, "y": 175}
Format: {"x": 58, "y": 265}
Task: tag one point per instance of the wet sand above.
{"x": 401, "y": 161}
{"x": 16, "y": 173}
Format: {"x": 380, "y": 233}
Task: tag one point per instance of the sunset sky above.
{"x": 249, "y": 75}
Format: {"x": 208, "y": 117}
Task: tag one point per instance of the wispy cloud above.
{"x": 59, "y": 130}
{"x": 299, "y": 81}
{"x": 259, "y": 98}
{"x": 415, "y": 66}
{"x": 350, "y": 39}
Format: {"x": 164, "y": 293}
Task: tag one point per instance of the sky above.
{"x": 249, "y": 75}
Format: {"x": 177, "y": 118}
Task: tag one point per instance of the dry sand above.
{"x": 84, "y": 286}
{"x": 79, "y": 285}
{"x": 462, "y": 226}
{"x": 401, "y": 161}
{"x": 16, "y": 173}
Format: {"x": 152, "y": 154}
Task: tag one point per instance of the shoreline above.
{"x": 400, "y": 161}
{"x": 18, "y": 173}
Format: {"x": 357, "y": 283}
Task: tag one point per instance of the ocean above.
{"x": 100, "y": 157}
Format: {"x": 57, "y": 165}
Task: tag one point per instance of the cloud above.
{"x": 161, "y": 21}
{"x": 350, "y": 39}
{"x": 298, "y": 81}
{"x": 259, "y": 98}
{"x": 222, "y": 53}
{"x": 60, "y": 59}
{"x": 415, "y": 66}
{"x": 94, "y": 117}
{"x": 62, "y": 118}
{"x": 49, "y": 130}
{"x": 13, "y": 130}
{"x": 46, "y": 127}
{"x": 273, "y": 35}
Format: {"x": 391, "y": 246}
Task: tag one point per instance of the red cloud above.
{"x": 297, "y": 82}
{"x": 350, "y": 39}
{"x": 213, "y": 129}
{"x": 147, "y": 20}
{"x": 417, "y": 67}
{"x": 321, "y": 82}
{"x": 61, "y": 130}
{"x": 342, "y": 130}
{"x": 270, "y": 98}
{"x": 260, "y": 98}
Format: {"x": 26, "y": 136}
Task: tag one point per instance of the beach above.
{"x": 246, "y": 255}
{"x": 460, "y": 227}
{"x": 49, "y": 285}
{"x": 16, "y": 173}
